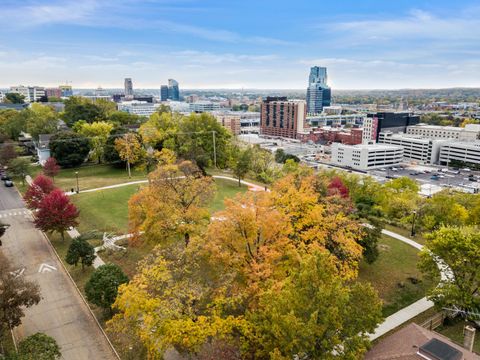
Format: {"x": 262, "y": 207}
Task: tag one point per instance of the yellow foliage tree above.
{"x": 130, "y": 150}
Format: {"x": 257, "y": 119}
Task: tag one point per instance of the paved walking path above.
{"x": 418, "y": 307}
{"x": 73, "y": 233}
{"x": 251, "y": 186}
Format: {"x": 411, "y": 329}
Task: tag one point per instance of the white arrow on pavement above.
{"x": 18, "y": 272}
{"x": 46, "y": 268}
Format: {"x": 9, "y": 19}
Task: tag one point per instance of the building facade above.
{"x": 204, "y": 106}
{"x": 366, "y": 156}
{"x": 467, "y": 152}
{"x": 318, "y": 93}
{"x": 128, "y": 87}
{"x": 173, "y": 90}
{"x": 163, "y": 93}
{"x": 229, "y": 121}
{"x": 53, "y": 92}
{"x": 280, "y": 117}
{"x": 395, "y": 122}
{"x": 415, "y": 148}
{"x": 140, "y": 108}
{"x": 470, "y": 132}
{"x": 31, "y": 93}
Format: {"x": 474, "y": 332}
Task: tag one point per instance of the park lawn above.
{"x": 419, "y": 238}
{"x": 107, "y": 210}
{"x": 390, "y": 274}
{"x": 95, "y": 176}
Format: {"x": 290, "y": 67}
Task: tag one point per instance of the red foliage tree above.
{"x": 337, "y": 187}
{"x": 56, "y": 213}
{"x": 51, "y": 168}
{"x": 40, "y": 187}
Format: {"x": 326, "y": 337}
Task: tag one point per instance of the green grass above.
{"x": 389, "y": 275}
{"x": 454, "y": 331}
{"x": 225, "y": 189}
{"x": 406, "y": 232}
{"x": 107, "y": 210}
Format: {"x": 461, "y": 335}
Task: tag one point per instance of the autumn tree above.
{"x": 443, "y": 208}
{"x": 12, "y": 123}
{"x": 81, "y": 251}
{"x": 40, "y": 187}
{"x": 174, "y": 204}
{"x": 102, "y": 287}
{"x": 40, "y": 119}
{"x": 160, "y": 130}
{"x": 16, "y": 294}
{"x": 98, "y": 133}
{"x": 39, "y": 346}
{"x": 51, "y": 168}
{"x": 130, "y": 150}
{"x": 315, "y": 313}
{"x": 240, "y": 163}
{"x": 457, "y": 249}
{"x": 56, "y": 213}
{"x": 337, "y": 187}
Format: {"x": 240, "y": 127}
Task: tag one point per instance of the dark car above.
{"x": 5, "y": 177}
{"x": 8, "y": 183}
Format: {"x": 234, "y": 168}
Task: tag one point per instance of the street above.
{"x": 61, "y": 313}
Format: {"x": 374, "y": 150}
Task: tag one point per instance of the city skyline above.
{"x": 213, "y": 45}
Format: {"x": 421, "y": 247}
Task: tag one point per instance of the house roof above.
{"x": 405, "y": 344}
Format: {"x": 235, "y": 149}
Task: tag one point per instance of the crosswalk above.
{"x": 15, "y": 212}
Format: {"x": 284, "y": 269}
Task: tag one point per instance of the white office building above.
{"x": 415, "y": 147}
{"x": 204, "y": 106}
{"x": 140, "y": 108}
{"x": 31, "y": 93}
{"x": 464, "y": 151}
{"x": 469, "y": 133}
{"x": 366, "y": 156}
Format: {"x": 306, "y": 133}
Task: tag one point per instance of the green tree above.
{"x": 315, "y": 314}
{"x": 69, "y": 149}
{"x": 443, "y": 208}
{"x": 39, "y": 346}
{"x": 12, "y": 123}
{"x": 102, "y": 287}
{"x": 8, "y": 152}
{"x": 459, "y": 249}
{"x": 80, "y": 250}
{"x": 78, "y": 108}
{"x": 196, "y": 140}
{"x": 130, "y": 150}
{"x": 160, "y": 130}
{"x": 240, "y": 162}
{"x": 98, "y": 133}
{"x": 40, "y": 119}
{"x": 14, "y": 98}
{"x": 20, "y": 167}
{"x": 120, "y": 118}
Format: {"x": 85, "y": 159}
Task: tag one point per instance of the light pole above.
{"x": 414, "y": 213}
{"x": 78, "y": 188}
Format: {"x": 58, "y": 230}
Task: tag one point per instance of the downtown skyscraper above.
{"x": 319, "y": 94}
{"x": 128, "y": 87}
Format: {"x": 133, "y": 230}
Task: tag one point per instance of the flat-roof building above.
{"x": 281, "y": 117}
{"x": 467, "y": 152}
{"x": 366, "y": 156}
{"x": 469, "y": 133}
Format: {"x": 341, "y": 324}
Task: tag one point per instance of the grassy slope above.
{"x": 396, "y": 263}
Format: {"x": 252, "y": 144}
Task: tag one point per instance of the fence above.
{"x": 435, "y": 321}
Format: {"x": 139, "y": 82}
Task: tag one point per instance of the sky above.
{"x": 263, "y": 44}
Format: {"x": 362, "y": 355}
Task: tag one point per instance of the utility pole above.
{"x": 214, "y": 150}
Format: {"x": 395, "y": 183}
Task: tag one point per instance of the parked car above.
{"x": 8, "y": 183}
{"x": 5, "y": 177}
{"x": 434, "y": 177}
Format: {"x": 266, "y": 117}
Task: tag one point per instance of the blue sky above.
{"x": 366, "y": 44}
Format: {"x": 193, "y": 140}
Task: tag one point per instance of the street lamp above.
{"x": 78, "y": 188}
{"x": 414, "y": 213}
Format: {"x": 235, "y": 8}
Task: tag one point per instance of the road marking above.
{"x": 18, "y": 272}
{"x": 46, "y": 268}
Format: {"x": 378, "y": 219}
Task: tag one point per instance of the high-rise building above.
{"x": 282, "y": 117}
{"x": 67, "y": 90}
{"x": 173, "y": 90}
{"x": 318, "y": 93}
{"x": 163, "y": 93}
{"x": 128, "y": 87}
{"x": 391, "y": 121}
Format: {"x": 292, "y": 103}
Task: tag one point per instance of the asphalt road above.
{"x": 61, "y": 313}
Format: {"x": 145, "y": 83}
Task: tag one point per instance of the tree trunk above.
{"x": 187, "y": 239}
{"x": 63, "y": 235}
{"x": 129, "y": 172}
{"x": 239, "y": 182}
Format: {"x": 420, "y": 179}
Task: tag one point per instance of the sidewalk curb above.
{"x": 81, "y": 296}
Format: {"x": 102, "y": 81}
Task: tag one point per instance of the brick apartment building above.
{"x": 332, "y": 135}
{"x": 281, "y": 117}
